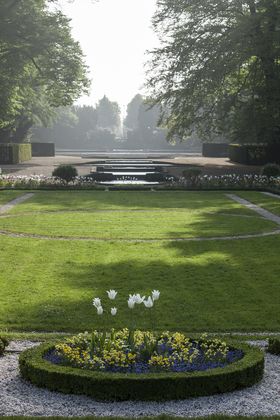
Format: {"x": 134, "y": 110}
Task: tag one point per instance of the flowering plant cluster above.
{"x": 233, "y": 181}
{"x": 135, "y": 299}
{"x": 230, "y": 181}
{"x": 142, "y": 352}
{"x": 44, "y": 182}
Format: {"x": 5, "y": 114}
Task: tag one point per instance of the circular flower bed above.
{"x": 139, "y": 352}
{"x": 136, "y": 365}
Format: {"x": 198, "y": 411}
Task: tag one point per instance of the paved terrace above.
{"x": 209, "y": 166}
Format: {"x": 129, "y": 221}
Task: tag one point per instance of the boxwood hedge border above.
{"x": 104, "y": 386}
{"x": 274, "y": 346}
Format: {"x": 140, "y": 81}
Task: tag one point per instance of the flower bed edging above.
{"x": 146, "y": 387}
{"x": 274, "y": 346}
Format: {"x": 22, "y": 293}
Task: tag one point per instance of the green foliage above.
{"x": 108, "y": 115}
{"x": 124, "y": 349}
{"x": 271, "y": 170}
{"x": 153, "y": 386}
{"x": 274, "y": 346}
{"x": 254, "y": 154}
{"x": 15, "y": 153}
{"x": 131, "y": 120}
{"x": 217, "y": 70}
{"x": 65, "y": 172}
{"x": 37, "y": 73}
{"x": 3, "y": 344}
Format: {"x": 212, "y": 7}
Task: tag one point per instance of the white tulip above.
{"x": 99, "y": 310}
{"x": 131, "y": 303}
{"x": 112, "y": 294}
{"x": 114, "y": 311}
{"x": 137, "y": 298}
{"x": 96, "y": 302}
{"x": 149, "y": 302}
{"x": 155, "y": 294}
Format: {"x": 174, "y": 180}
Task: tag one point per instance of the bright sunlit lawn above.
{"x": 48, "y": 285}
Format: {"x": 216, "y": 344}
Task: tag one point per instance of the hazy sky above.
{"x": 114, "y": 35}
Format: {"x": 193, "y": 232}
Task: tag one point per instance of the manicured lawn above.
{"x": 217, "y": 286}
{"x": 134, "y": 215}
{"x": 6, "y": 196}
{"x": 267, "y": 202}
{"x": 123, "y": 200}
{"x": 48, "y": 285}
{"x": 136, "y": 225}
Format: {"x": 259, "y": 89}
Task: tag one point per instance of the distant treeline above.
{"x": 101, "y": 128}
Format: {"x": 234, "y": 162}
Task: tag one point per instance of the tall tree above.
{"x": 132, "y": 112}
{"x": 41, "y": 65}
{"x": 218, "y": 68}
{"x": 108, "y": 115}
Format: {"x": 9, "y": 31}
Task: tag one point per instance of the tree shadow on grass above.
{"x": 203, "y": 289}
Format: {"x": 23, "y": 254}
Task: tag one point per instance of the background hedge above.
{"x": 12, "y": 153}
{"x": 43, "y": 149}
{"x": 153, "y": 387}
{"x": 254, "y": 154}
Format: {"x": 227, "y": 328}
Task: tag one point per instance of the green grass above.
{"x": 271, "y": 204}
{"x": 121, "y": 200}
{"x": 136, "y": 225}
{"x": 154, "y": 215}
{"x": 217, "y": 286}
{"x": 6, "y": 196}
{"x": 205, "y": 286}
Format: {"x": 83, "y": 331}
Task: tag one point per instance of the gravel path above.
{"x": 264, "y": 213}
{"x": 7, "y": 207}
{"x": 135, "y": 240}
{"x": 18, "y": 397}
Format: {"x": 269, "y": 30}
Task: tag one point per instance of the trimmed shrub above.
{"x": 65, "y": 172}
{"x": 254, "y": 154}
{"x": 146, "y": 387}
{"x": 215, "y": 149}
{"x": 13, "y": 153}
{"x": 271, "y": 170}
{"x": 274, "y": 346}
{"x": 3, "y": 344}
{"x": 43, "y": 149}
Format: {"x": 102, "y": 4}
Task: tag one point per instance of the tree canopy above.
{"x": 218, "y": 68}
{"x": 41, "y": 65}
{"x": 108, "y": 115}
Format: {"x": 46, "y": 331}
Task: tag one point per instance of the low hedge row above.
{"x": 12, "y": 153}
{"x": 3, "y": 344}
{"x": 254, "y": 154}
{"x": 274, "y": 346}
{"x": 43, "y": 149}
{"x": 153, "y": 387}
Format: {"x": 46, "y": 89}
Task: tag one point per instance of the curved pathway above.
{"x": 135, "y": 240}
{"x": 262, "y": 212}
{"x": 21, "y": 398}
{"x": 7, "y": 207}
